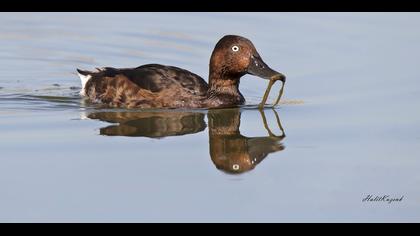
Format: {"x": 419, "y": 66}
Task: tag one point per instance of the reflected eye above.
{"x": 235, "y": 48}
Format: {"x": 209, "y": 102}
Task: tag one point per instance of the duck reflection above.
{"x": 234, "y": 153}
{"x": 150, "y": 124}
{"x": 230, "y": 151}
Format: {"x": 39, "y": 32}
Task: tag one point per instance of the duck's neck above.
{"x": 225, "y": 88}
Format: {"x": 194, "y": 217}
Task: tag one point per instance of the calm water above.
{"x": 348, "y": 127}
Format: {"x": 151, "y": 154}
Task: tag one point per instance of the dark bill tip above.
{"x": 279, "y": 76}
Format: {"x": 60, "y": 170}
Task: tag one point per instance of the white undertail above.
{"x": 84, "y": 79}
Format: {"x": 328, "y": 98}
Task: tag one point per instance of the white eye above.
{"x": 235, "y": 48}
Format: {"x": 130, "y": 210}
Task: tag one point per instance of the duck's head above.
{"x": 235, "y": 56}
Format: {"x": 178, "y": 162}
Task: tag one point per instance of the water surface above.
{"x": 349, "y": 124}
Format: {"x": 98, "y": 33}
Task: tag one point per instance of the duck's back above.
{"x": 146, "y": 86}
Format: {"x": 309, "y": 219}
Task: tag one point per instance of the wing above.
{"x": 155, "y": 78}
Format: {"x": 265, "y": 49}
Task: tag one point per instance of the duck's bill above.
{"x": 258, "y": 68}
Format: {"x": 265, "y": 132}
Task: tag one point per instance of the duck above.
{"x": 163, "y": 86}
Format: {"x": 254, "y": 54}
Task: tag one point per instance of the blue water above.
{"x": 350, "y": 118}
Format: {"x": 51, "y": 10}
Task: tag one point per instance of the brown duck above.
{"x": 160, "y": 86}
